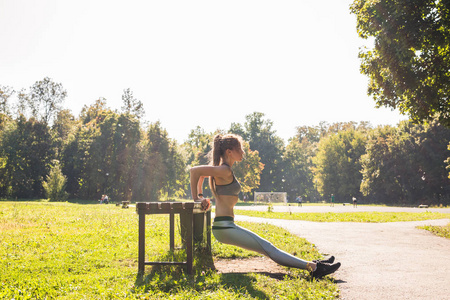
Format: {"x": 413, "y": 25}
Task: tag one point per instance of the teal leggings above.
{"x": 225, "y": 231}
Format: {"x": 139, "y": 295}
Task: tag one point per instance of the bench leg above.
{"x": 172, "y": 232}
{"x": 141, "y": 257}
{"x": 208, "y": 231}
{"x": 199, "y": 227}
{"x": 189, "y": 242}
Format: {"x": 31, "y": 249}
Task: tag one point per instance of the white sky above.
{"x": 206, "y": 63}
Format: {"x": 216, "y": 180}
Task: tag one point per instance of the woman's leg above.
{"x": 233, "y": 234}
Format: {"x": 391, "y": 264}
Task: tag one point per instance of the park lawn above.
{"x": 366, "y": 217}
{"x": 75, "y": 251}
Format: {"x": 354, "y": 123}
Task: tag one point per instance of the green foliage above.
{"x": 249, "y": 170}
{"x": 448, "y": 162}
{"x": 131, "y": 105}
{"x": 405, "y": 164}
{"x": 55, "y": 184}
{"x": 107, "y": 152}
{"x": 259, "y": 133}
{"x": 71, "y": 251}
{"x": 27, "y": 147}
{"x": 409, "y": 65}
{"x": 337, "y": 164}
{"x": 162, "y": 171}
{"x": 298, "y": 179}
{"x": 5, "y": 93}
{"x": 45, "y": 99}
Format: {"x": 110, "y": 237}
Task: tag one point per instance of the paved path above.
{"x": 380, "y": 260}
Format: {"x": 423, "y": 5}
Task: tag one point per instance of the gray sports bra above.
{"x": 231, "y": 189}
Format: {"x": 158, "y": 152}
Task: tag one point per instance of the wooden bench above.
{"x": 125, "y": 204}
{"x": 423, "y": 206}
{"x": 192, "y": 220}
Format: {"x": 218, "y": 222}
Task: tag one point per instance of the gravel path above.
{"x": 379, "y": 260}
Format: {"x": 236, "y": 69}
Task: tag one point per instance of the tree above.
{"x": 177, "y": 175}
{"x": 197, "y": 147}
{"x": 62, "y": 130}
{"x": 23, "y": 98}
{"x": 28, "y": 149}
{"x": 5, "y": 93}
{"x": 131, "y": 105}
{"x": 405, "y": 164}
{"x": 153, "y": 167}
{"x": 386, "y": 152}
{"x": 87, "y": 156}
{"x": 46, "y": 98}
{"x": 298, "y": 170}
{"x": 95, "y": 112}
{"x": 259, "y": 133}
{"x": 124, "y": 155}
{"x": 196, "y": 151}
{"x": 249, "y": 170}
{"x": 432, "y": 141}
{"x": 337, "y": 164}
{"x": 448, "y": 162}
{"x": 409, "y": 65}
{"x": 55, "y": 184}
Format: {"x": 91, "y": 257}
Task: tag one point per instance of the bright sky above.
{"x": 195, "y": 63}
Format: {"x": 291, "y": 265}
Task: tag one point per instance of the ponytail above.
{"x": 217, "y": 152}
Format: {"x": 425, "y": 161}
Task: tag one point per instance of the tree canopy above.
{"x": 409, "y": 64}
{"x": 103, "y": 151}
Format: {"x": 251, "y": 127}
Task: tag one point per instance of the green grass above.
{"x": 73, "y": 251}
{"x": 366, "y": 217}
{"x": 443, "y": 231}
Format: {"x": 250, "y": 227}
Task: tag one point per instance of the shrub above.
{"x": 55, "y": 185}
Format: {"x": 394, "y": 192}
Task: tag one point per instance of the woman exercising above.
{"x": 227, "y": 150}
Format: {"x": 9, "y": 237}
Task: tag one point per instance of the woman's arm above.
{"x": 200, "y": 185}
{"x": 199, "y": 173}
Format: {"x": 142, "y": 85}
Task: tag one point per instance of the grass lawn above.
{"x": 366, "y": 217}
{"x": 89, "y": 251}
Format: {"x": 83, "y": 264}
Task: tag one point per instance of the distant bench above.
{"x": 192, "y": 219}
{"x": 125, "y": 204}
{"x": 423, "y": 206}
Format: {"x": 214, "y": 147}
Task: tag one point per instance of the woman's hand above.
{"x": 206, "y": 203}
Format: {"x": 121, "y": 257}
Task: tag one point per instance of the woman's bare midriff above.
{"x": 225, "y": 205}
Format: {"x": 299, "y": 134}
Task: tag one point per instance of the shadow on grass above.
{"x": 205, "y": 278}
{"x": 242, "y": 283}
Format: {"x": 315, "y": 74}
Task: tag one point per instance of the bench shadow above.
{"x": 237, "y": 282}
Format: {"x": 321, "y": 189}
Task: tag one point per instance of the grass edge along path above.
{"x": 443, "y": 231}
{"x": 72, "y": 251}
{"x": 364, "y": 217}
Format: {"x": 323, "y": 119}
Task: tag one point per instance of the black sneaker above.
{"x": 330, "y": 260}
{"x": 324, "y": 269}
